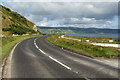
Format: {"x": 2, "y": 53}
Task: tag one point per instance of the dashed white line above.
{"x": 98, "y": 60}
{"x": 86, "y": 78}
{"x": 107, "y": 61}
{"x": 102, "y": 60}
{"x": 51, "y": 57}
{"x": 59, "y": 63}
{"x": 76, "y": 72}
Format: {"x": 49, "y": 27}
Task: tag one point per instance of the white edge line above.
{"x": 10, "y": 61}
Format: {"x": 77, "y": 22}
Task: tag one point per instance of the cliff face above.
{"x": 14, "y": 23}
{"x": 35, "y": 27}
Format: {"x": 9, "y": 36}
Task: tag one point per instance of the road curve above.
{"x": 37, "y": 58}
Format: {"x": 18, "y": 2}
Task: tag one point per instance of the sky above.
{"x": 87, "y": 14}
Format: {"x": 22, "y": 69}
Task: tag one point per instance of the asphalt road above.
{"x": 37, "y": 58}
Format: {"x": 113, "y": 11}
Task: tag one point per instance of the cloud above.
{"x": 34, "y": 18}
{"x": 20, "y": 7}
{"x": 78, "y": 20}
{"x": 97, "y": 10}
{"x": 86, "y": 14}
{"x": 60, "y": 0}
{"x": 60, "y": 10}
{"x": 84, "y": 21}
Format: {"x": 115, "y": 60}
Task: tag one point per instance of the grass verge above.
{"x": 9, "y": 42}
{"x": 84, "y": 47}
{"x": 96, "y": 40}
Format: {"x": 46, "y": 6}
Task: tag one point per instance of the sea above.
{"x": 113, "y": 36}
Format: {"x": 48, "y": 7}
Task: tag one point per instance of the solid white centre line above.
{"x": 50, "y": 56}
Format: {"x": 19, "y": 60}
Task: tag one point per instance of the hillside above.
{"x": 75, "y": 30}
{"x": 14, "y": 23}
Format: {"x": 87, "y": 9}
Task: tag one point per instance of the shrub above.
{"x": 3, "y": 17}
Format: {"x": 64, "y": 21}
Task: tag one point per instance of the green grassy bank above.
{"x": 84, "y": 47}
{"x": 9, "y": 42}
{"x": 96, "y": 40}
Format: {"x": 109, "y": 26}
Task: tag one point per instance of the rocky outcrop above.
{"x": 35, "y": 28}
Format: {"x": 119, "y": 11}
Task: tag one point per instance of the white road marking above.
{"x": 86, "y": 78}
{"x": 60, "y": 63}
{"x": 102, "y": 60}
{"x": 98, "y": 60}
{"x": 50, "y": 56}
{"x": 107, "y": 61}
{"x": 76, "y": 72}
{"x": 8, "y": 63}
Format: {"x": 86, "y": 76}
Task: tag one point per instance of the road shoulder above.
{"x": 6, "y": 68}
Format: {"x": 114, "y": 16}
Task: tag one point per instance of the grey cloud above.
{"x": 83, "y": 21}
{"x": 97, "y": 10}
{"x": 20, "y": 7}
{"x": 60, "y": 10}
{"x": 84, "y": 12}
{"x": 34, "y": 18}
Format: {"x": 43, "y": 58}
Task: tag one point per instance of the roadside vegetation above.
{"x": 14, "y": 23}
{"x": 16, "y": 29}
{"x": 9, "y": 42}
{"x": 97, "y": 40}
{"x": 84, "y": 47}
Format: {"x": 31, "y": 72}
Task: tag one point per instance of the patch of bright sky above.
{"x": 6, "y": 1}
{"x": 115, "y": 22}
{"x": 54, "y": 22}
{"x": 45, "y": 21}
{"x": 59, "y": 0}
